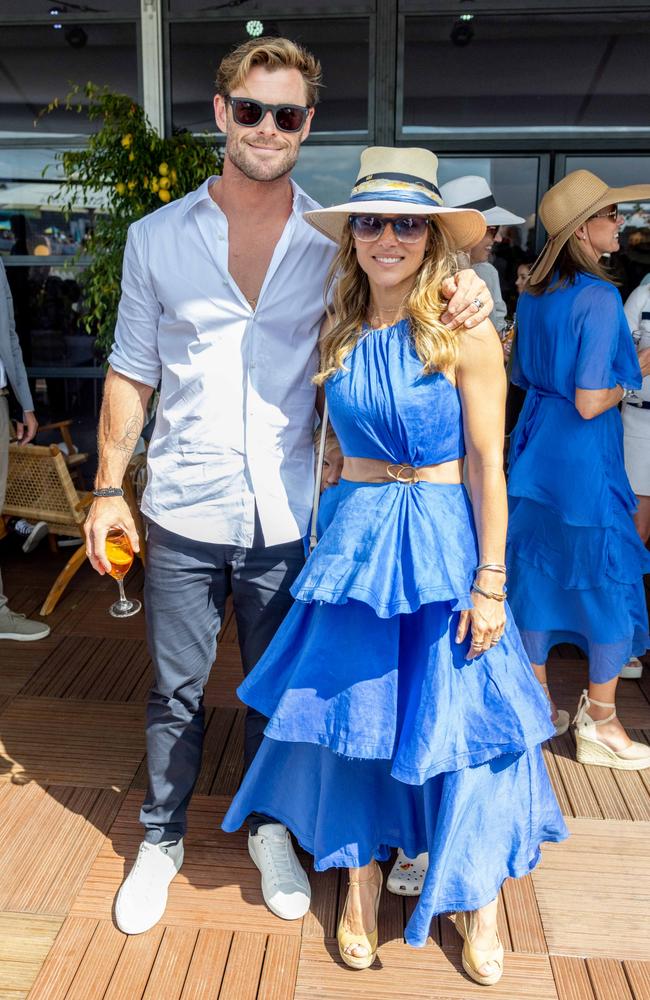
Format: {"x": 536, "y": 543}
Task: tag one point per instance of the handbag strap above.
{"x": 319, "y": 475}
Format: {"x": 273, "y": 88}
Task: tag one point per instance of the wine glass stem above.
{"x": 120, "y": 584}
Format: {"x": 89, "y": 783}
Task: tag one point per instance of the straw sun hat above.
{"x": 400, "y": 182}
{"x": 568, "y": 204}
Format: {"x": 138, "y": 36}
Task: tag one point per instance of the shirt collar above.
{"x": 202, "y": 193}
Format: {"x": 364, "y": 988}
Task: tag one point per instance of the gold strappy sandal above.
{"x": 369, "y": 940}
{"x": 473, "y": 958}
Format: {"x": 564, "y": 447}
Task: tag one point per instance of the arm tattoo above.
{"x": 132, "y": 429}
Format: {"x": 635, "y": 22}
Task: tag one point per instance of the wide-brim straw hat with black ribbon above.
{"x": 400, "y": 182}
{"x": 568, "y": 204}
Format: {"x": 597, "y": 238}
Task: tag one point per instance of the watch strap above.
{"x": 109, "y": 491}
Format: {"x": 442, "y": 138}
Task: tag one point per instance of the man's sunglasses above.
{"x": 407, "y": 228}
{"x": 287, "y": 117}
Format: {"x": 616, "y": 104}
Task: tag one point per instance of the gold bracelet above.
{"x": 490, "y": 593}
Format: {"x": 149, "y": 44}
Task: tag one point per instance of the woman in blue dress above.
{"x": 403, "y": 710}
{"x": 575, "y": 561}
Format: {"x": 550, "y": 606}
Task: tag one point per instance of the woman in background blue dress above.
{"x": 403, "y": 710}
{"x": 575, "y": 561}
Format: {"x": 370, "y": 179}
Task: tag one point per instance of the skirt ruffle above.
{"x": 398, "y": 688}
{"x": 393, "y": 546}
{"x": 480, "y": 824}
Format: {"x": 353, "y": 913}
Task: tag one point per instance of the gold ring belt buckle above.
{"x": 402, "y": 473}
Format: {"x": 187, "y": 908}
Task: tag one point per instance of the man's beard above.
{"x": 258, "y": 170}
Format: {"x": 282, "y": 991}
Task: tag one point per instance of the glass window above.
{"x": 341, "y": 45}
{"x": 286, "y": 8}
{"x": 632, "y": 263}
{"x": 31, "y": 222}
{"x": 327, "y": 173}
{"x": 40, "y": 63}
{"x": 524, "y": 71}
{"x": 66, "y": 11}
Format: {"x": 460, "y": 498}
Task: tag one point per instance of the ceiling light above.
{"x": 254, "y": 28}
{"x": 57, "y": 26}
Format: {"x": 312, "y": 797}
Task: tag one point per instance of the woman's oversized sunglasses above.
{"x": 407, "y": 228}
{"x": 249, "y": 113}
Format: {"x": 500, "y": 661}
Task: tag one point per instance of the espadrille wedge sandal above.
{"x": 592, "y": 750}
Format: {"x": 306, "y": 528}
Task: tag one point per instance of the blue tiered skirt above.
{"x": 381, "y": 733}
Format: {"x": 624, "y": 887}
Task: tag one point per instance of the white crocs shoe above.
{"x": 142, "y": 898}
{"x": 407, "y": 874}
{"x": 285, "y": 885}
{"x": 632, "y": 670}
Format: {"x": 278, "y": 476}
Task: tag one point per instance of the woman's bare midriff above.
{"x": 372, "y": 470}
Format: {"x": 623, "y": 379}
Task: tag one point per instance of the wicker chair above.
{"x": 39, "y": 488}
{"x": 72, "y": 457}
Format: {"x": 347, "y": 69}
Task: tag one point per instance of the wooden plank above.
{"x": 205, "y": 974}
{"x": 25, "y": 941}
{"x": 574, "y": 778}
{"x": 321, "y": 920}
{"x": 638, "y": 976}
{"x": 134, "y": 965}
{"x": 571, "y": 978}
{"x": 280, "y": 969}
{"x": 97, "y": 964}
{"x": 219, "y": 724}
{"x": 64, "y": 742}
{"x": 62, "y": 962}
{"x": 403, "y": 973}
{"x": 556, "y": 779}
{"x": 524, "y": 921}
{"x": 50, "y": 839}
{"x": 592, "y": 901}
{"x": 634, "y": 792}
{"x": 244, "y": 967}
{"x": 608, "y": 980}
{"x": 607, "y": 792}
{"x": 171, "y": 964}
{"x": 229, "y": 773}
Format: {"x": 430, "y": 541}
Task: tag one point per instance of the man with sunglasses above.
{"x": 222, "y": 301}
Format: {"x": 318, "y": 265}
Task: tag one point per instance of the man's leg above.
{"x": 12, "y": 626}
{"x": 185, "y": 594}
{"x": 185, "y": 590}
{"x": 261, "y": 578}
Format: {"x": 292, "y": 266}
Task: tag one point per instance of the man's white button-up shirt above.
{"x": 234, "y": 422}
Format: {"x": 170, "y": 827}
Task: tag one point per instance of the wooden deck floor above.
{"x": 71, "y": 780}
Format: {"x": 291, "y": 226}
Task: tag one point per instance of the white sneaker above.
{"x": 142, "y": 898}
{"x": 632, "y": 669}
{"x": 285, "y": 885}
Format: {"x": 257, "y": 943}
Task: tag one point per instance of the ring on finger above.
{"x": 478, "y": 305}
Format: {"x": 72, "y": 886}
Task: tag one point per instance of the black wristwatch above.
{"x": 109, "y": 491}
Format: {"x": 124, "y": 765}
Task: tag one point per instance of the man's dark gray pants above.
{"x": 186, "y": 585}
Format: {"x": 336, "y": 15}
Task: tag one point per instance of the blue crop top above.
{"x": 382, "y": 406}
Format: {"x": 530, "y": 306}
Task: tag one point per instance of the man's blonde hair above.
{"x": 272, "y": 53}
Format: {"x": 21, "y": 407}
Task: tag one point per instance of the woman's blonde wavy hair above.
{"x": 347, "y": 282}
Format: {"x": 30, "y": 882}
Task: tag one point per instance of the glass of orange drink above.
{"x": 120, "y": 556}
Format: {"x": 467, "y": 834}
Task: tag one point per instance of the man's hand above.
{"x": 26, "y": 431}
{"x": 464, "y": 290}
{"x": 105, "y": 513}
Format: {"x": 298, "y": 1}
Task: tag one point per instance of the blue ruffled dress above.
{"x": 381, "y": 733}
{"x": 575, "y": 560}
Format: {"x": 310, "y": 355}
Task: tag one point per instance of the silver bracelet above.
{"x": 496, "y": 567}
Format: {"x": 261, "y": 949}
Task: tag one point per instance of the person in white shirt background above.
{"x": 13, "y": 376}
{"x": 222, "y": 301}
